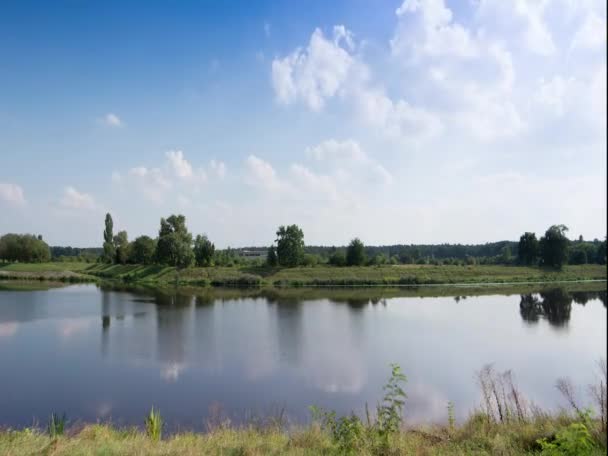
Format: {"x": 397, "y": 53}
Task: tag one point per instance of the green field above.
{"x": 388, "y": 275}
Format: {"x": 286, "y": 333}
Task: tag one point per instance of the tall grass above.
{"x": 56, "y": 425}
{"x": 154, "y": 425}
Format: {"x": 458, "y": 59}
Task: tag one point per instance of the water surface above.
{"x": 108, "y": 354}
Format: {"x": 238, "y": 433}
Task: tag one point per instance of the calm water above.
{"x": 108, "y": 354}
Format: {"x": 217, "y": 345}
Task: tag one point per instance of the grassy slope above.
{"x": 473, "y": 437}
{"x": 356, "y": 275}
{"x": 302, "y": 276}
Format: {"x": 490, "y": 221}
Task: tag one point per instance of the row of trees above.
{"x": 24, "y": 248}
{"x": 174, "y": 245}
{"x": 554, "y": 249}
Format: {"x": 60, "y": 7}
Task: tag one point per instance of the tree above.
{"x": 174, "y": 245}
{"x": 142, "y": 250}
{"x": 109, "y": 252}
{"x": 272, "y": 259}
{"x": 24, "y": 248}
{"x": 355, "y": 253}
{"x": 121, "y": 247}
{"x": 338, "y": 258}
{"x": 204, "y": 250}
{"x": 528, "y": 248}
{"x": 578, "y": 255}
{"x": 290, "y": 245}
{"x": 554, "y": 246}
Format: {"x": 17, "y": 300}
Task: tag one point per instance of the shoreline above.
{"x": 321, "y": 277}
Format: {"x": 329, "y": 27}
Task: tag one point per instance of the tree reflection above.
{"x": 553, "y": 305}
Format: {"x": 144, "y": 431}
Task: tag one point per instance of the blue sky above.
{"x": 395, "y": 121}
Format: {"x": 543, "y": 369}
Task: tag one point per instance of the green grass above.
{"x": 247, "y": 276}
{"x": 476, "y": 436}
{"x": 44, "y": 267}
{"x": 354, "y": 276}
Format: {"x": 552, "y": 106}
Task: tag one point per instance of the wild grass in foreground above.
{"x": 506, "y": 424}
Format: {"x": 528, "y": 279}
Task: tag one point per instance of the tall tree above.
{"x": 204, "y": 250}
{"x": 528, "y": 248}
{"x": 554, "y": 246}
{"x": 109, "y": 252}
{"x": 174, "y": 245}
{"x": 290, "y": 245}
{"x": 355, "y": 253}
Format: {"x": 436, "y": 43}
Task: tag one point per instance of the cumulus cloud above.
{"x": 112, "y": 120}
{"x": 12, "y": 194}
{"x": 181, "y": 167}
{"x": 432, "y": 32}
{"x": 316, "y": 73}
{"x": 261, "y": 174}
{"x": 73, "y": 199}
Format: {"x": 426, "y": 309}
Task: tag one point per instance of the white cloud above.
{"x": 73, "y": 199}
{"x": 218, "y": 168}
{"x": 261, "y": 173}
{"x": 591, "y": 34}
{"x": 432, "y": 32}
{"x": 521, "y": 21}
{"x": 181, "y": 167}
{"x": 348, "y": 158}
{"x": 12, "y": 194}
{"x": 396, "y": 119}
{"x": 112, "y": 120}
{"x": 151, "y": 182}
{"x": 339, "y": 150}
{"x": 316, "y": 73}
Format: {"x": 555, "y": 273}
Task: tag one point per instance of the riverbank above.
{"x": 262, "y": 276}
{"x": 476, "y": 436}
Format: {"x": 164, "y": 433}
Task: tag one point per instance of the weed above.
{"x": 154, "y": 425}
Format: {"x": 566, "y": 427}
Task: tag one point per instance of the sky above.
{"x": 416, "y": 121}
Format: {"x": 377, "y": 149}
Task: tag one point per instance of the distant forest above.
{"x": 404, "y": 253}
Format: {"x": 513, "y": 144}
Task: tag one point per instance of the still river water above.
{"x": 110, "y": 354}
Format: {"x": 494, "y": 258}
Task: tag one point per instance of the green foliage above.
{"x": 391, "y": 408}
{"x": 204, "y": 251}
{"x": 451, "y": 417}
{"x": 142, "y": 250}
{"x": 272, "y": 259}
{"x": 154, "y": 425}
{"x": 355, "y": 253}
{"x": 174, "y": 245}
{"x": 56, "y": 425}
{"x": 575, "y": 440}
{"x": 528, "y": 249}
{"x": 337, "y": 258}
{"x": 310, "y": 260}
{"x": 554, "y": 247}
{"x": 349, "y": 434}
{"x": 108, "y": 240}
{"x": 24, "y": 248}
{"x": 290, "y": 245}
{"x": 121, "y": 247}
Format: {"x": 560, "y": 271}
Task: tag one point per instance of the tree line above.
{"x": 176, "y": 246}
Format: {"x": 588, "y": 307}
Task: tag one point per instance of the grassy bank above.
{"x": 473, "y": 437}
{"x": 388, "y": 275}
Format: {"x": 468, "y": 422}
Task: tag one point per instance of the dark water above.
{"x": 110, "y": 355}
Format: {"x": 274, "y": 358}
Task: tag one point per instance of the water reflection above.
{"x": 554, "y": 305}
{"x": 121, "y": 349}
